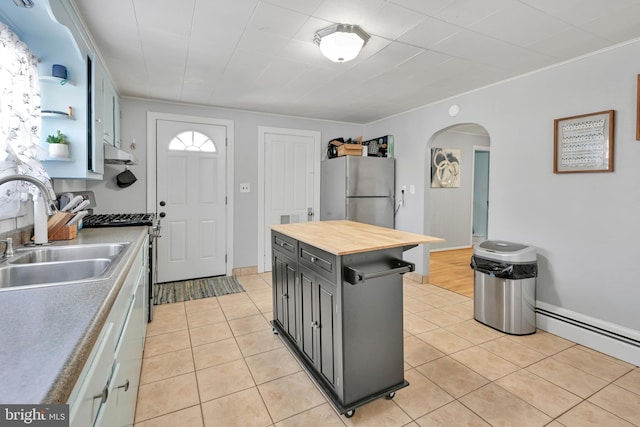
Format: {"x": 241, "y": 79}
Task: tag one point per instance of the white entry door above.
{"x": 190, "y": 197}
{"x": 291, "y": 180}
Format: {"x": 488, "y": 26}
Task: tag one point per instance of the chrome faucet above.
{"x": 39, "y": 215}
{"x": 8, "y": 249}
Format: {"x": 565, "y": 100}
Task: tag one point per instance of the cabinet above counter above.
{"x": 349, "y": 237}
{"x": 84, "y": 105}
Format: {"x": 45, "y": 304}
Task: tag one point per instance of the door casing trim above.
{"x": 477, "y": 148}
{"x": 152, "y": 118}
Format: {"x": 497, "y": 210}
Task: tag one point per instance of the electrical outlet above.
{"x": 412, "y": 189}
{"x": 245, "y": 187}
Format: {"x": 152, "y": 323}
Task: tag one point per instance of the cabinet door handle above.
{"x": 104, "y": 395}
{"x": 125, "y": 386}
{"x": 313, "y": 259}
{"x": 314, "y": 324}
{"x": 284, "y": 296}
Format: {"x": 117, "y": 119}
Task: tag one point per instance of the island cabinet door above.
{"x": 307, "y": 302}
{"x": 326, "y": 328}
{"x": 284, "y": 275}
{"x": 318, "y": 322}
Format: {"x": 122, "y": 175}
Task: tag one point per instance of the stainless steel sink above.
{"x": 53, "y": 273}
{"x": 66, "y": 253}
{"x": 59, "y": 265}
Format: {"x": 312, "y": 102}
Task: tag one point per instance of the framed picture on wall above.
{"x": 445, "y": 168}
{"x": 584, "y": 143}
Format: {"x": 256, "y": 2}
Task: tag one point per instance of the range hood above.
{"x": 116, "y": 156}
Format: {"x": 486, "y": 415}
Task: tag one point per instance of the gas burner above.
{"x": 118, "y": 220}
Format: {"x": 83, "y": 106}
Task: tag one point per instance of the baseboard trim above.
{"x": 418, "y": 278}
{"x": 454, "y": 248}
{"x": 244, "y": 271}
{"x": 608, "y": 338}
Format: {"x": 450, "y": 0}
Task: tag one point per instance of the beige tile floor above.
{"x": 216, "y": 362}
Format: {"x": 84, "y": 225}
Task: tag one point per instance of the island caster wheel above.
{"x": 275, "y": 331}
{"x": 350, "y": 413}
{"x": 390, "y": 395}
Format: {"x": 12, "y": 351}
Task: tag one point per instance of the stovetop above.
{"x": 118, "y": 220}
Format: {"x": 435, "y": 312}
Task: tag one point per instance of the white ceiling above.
{"x": 259, "y": 55}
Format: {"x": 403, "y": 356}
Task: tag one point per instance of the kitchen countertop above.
{"x": 348, "y": 237}
{"x": 47, "y": 333}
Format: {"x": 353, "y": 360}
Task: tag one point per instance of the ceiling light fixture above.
{"x": 341, "y": 42}
{"x": 23, "y": 3}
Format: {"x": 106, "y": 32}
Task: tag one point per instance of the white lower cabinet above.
{"x": 106, "y": 391}
{"x": 89, "y": 393}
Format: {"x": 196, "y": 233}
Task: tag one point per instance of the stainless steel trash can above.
{"x": 504, "y": 286}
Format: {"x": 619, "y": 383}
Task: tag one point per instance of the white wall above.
{"x": 112, "y": 199}
{"x": 584, "y": 225}
{"x": 450, "y": 211}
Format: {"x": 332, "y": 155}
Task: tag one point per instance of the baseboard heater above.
{"x": 588, "y": 327}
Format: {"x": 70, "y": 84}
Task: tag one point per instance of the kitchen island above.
{"x": 337, "y": 304}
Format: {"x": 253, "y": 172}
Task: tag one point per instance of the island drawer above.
{"x": 319, "y": 261}
{"x": 284, "y": 244}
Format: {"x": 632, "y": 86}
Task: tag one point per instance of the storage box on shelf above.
{"x": 350, "y": 150}
{"x": 380, "y": 147}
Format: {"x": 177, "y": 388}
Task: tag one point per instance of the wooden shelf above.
{"x": 56, "y": 114}
{"x": 58, "y": 159}
{"x": 55, "y": 80}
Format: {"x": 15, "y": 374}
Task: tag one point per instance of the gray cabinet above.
{"x": 318, "y": 322}
{"x": 285, "y": 292}
{"x": 341, "y": 315}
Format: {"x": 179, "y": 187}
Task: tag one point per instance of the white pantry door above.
{"x": 190, "y": 197}
{"x": 291, "y": 181}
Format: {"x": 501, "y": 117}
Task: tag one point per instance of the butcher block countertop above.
{"x": 349, "y": 237}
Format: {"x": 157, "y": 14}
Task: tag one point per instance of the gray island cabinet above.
{"x": 337, "y": 304}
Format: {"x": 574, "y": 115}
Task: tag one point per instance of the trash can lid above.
{"x": 503, "y": 251}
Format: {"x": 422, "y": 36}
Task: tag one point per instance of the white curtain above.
{"x": 20, "y": 121}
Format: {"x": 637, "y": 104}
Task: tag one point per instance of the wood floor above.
{"x": 450, "y": 270}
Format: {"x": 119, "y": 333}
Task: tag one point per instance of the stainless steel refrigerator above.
{"x": 358, "y": 189}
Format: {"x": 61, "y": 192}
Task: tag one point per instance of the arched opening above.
{"x": 456, "y": 202}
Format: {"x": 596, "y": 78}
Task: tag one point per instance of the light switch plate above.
{"x": 245, "y": 187}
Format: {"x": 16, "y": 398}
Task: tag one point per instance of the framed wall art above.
{"x": 584, "y": 143}
{"x": 445, "y": 168}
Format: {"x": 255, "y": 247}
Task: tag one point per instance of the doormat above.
{"x": 186, "y": 290}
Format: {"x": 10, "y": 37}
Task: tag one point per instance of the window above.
{"x": 20, "y": 149}
{"x": 192, "y": 141}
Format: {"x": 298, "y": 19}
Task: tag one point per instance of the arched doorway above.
{"x": 456, "y": 202}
